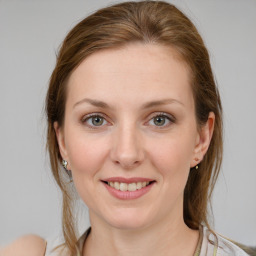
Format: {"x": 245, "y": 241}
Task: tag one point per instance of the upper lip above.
{"x": 127, "y": 180}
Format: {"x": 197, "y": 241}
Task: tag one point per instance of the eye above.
{"x": 94, "y": 120}
{"x": 161, "y": 120}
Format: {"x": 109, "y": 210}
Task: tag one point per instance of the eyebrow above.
{"x": 161, "y": 102}
{"x": 101, "y": 104}
{"x": 96, "y": 103}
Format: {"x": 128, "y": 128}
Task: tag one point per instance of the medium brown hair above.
{"x": 147, "y": 22}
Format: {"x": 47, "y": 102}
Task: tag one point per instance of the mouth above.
{"x": 132, "y": 186}
{"x": 128, "y": 188}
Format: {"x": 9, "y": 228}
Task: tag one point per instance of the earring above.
{"x": 196, "y": 167}
{"x": 64, "y": 163}
{"x": 69, "y": 173}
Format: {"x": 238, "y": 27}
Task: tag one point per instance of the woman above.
{"x": 135, "y": 118}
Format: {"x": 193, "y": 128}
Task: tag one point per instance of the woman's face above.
{"x": 130, "y": 120}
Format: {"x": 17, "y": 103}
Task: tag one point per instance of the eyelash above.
{"x": 167, "y": 117}
{"x": 93, "y": 115}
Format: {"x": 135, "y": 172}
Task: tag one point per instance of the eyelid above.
{"x": 170, "y": 117}
{"x": 94, "y": 114}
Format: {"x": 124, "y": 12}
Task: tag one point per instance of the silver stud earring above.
{"x": 69, "y": 173}
{"x": 64, "y": 163}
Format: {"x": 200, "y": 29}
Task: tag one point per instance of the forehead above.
{"x": 135, "y": 71}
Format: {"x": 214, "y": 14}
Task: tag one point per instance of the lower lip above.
{"x": 127, "y": 195}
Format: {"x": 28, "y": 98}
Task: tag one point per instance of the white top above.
{"x": 217, "y": 245}
{"x": 208, "y": 245}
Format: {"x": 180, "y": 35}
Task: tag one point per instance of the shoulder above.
{"x": 28, "y": 245}
{"x": 227, "y": 247}
{"x": 216, "y": 244}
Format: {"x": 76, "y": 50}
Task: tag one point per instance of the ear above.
{"x": 203, "y": 140}
{"x": 61, "y": 140}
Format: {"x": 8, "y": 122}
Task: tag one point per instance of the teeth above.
{"x": 132, "y": 187}
{"x": 128, "y": 187}
{"x": 123, "y": 187}
{"x": 139, "y": 185}
{"x": 116, "y": 185}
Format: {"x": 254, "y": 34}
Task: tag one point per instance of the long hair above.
{"x": 147, "y": 22}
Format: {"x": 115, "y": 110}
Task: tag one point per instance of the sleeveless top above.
{"x": 209, "y": 244}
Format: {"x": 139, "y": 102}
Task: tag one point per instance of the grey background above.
{"x": 30, "y": 33}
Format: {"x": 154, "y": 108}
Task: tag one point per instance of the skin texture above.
{"x": 129, "y": 143}
{"x": 29, "y": 245}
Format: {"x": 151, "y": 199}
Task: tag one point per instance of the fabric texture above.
{"x": 217, "y": 245}
{"x": 209, "y": 245}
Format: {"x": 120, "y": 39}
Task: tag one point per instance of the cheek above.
{"x": 86, "y": 154}
{"x": 171, "y": 157}
{"x": 172, "y": 154}
{"x": 172, "y": 161}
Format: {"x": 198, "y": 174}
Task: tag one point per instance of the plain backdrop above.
{"x": 30, "y": 34}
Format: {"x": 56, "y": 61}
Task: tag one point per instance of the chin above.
{"x": 128, "y": 219}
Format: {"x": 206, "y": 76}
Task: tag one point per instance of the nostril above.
{"x": 127, "y": 164}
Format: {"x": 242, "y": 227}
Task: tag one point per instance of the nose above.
{"x": 127, "y": 149}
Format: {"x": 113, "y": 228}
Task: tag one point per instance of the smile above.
{"x": 131, "y": 188}
{"x": 128, "y": 186}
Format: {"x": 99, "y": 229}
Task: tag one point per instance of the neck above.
{"x": 163, "y": 238}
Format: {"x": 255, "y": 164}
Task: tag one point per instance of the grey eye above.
{"x": 97, "y": 120}
{"x": 159, "y": 120}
